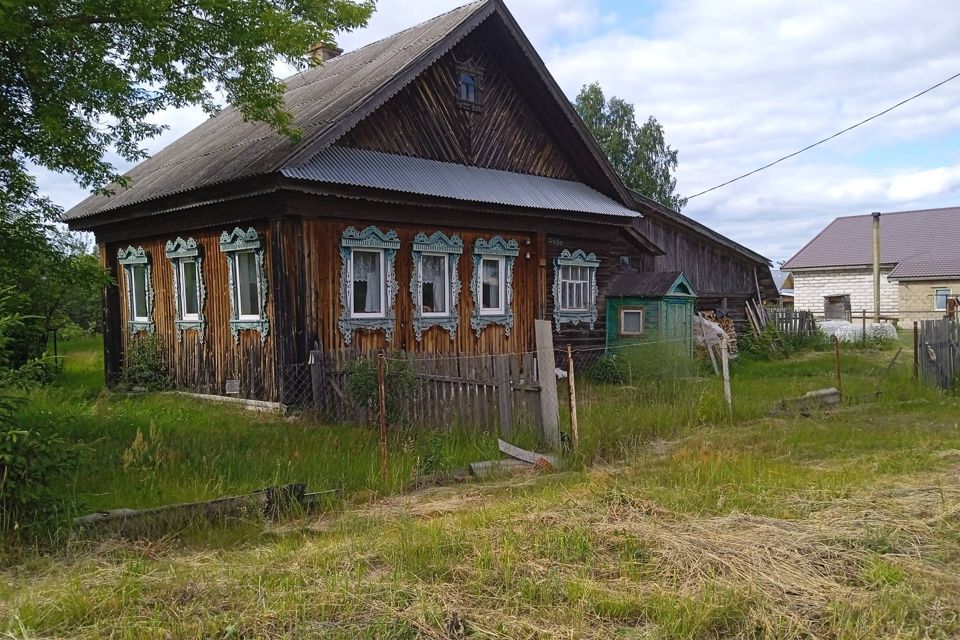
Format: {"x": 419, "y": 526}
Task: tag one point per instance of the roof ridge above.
{"x": 896, "y": 213}
{"x": 402, "y": 31}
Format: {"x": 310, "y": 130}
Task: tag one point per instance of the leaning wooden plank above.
{"x": 527, "y": 456}
{"x": 491, "y": 468}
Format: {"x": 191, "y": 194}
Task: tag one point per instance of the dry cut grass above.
{"x": 596, "y": 554}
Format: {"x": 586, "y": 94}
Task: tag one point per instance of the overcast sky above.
{"x": 739, "y": 83}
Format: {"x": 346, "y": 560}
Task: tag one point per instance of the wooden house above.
{"x": 443, "y": 196}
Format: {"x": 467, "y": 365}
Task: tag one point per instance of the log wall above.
{"x": 205, "y": 366}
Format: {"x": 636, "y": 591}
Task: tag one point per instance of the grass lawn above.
{"x": 842, "y": 525}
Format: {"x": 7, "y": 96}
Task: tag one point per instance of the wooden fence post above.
{"x": 916, "y": 351}
{"x": 504, "y": 394}
{"x": 318, "y": 379}
{"x": 863, "y": 313}
{"x": 725, "y": 362}
{"x": 572, "y": 386}
{"x": 382, "y": 393}
{"x": 836, "y": 349}
{"x": 547, "y": 377}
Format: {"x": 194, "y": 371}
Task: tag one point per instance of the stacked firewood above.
{"x": 726, "y": 323}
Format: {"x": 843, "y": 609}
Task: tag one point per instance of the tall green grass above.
{"x": 191, "y": 450}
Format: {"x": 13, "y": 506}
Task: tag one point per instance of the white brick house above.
{"x": 919, "y": 266}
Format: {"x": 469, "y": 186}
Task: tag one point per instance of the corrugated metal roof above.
{"x": 362, "y": 168}
{"x": 227, "y": 147}
{"x": 922, "y": 244}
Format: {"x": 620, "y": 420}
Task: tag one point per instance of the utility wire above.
{"x": 828, "y": 138}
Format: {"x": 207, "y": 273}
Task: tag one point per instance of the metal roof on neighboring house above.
{"x": 780, "y": 279}
{"x": 921, "y": 244}
{"x": 357, "y": 167}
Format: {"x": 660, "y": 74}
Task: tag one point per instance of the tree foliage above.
{"x": 638, "y": 153}
{"x": 79, "y": 78}
{"x": 52, "y": 279}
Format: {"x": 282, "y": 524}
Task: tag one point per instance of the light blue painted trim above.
{"x": 369, "y": 238}
{"x": 495, "y": 247}
{"x": 437, "y": 242}
{"x": 130, "y": 257}
{"x": 578, "y": 258}
{"x": 682, "y": 279}
{"x": 232, "y": 242}
{"x": 177, "y": 251}
{"x": 240, "y": 240}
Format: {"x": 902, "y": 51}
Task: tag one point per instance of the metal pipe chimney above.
{"x": 876, "y": 266}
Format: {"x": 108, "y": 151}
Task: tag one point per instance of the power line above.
{"x": 828, "y": 138}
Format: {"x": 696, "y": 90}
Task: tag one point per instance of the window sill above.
{"x": 262, "y": 325}
{"x": 575, "y": 318}
{"x": 136, "y": 326}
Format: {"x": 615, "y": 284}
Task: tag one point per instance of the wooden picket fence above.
{"x": 484, "y": 391}
{"x": 791, "y": 322}
{"x": 938, "y": 352}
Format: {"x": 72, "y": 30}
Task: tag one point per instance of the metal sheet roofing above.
{"x": 362, "y": 168}
{"x": 227, "y": 147}
{"x": 921, "y": 244}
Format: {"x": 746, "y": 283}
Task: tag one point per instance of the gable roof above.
{"x": 325, "y": 102}
{"x": 923, "y": 243}
{"x": 782, "y": 279}
{"x": 700, "y": 229}
{"x": 649, "y": 283}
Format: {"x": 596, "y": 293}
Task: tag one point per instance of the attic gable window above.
{"x": 247, "y": 282}
{"x": 367, "y": 281}
{"x": 139, "y": 281}
{"x": 575, "y": 288}
{"x": 469, "y": 79}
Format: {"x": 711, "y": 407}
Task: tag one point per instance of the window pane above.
{"x": 632, "y": 322}
{"x": 490, "y": 281}
{"x": 468, "y": 87}
{"x": 434, "y": 284}
{"x": 139, "y": 291}
{"x": 366, "y": 282}
{"x": 188, "y": 285}
{"x": 247, "y": 284}
{"x": 940, "y": 299}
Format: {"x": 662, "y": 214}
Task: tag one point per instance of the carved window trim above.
{"x": 561, "y": 315}
{"x": 507, "y": 251}
{"x": 437, "y": 243}
{"x": 130, "y": 258}
{"x": 387, "y": 243}
{"x": 179, "y": 252}
{"x": 233, "y": 243}
{"x": 470, "y": 68}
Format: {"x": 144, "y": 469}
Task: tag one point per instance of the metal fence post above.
{"x": 382, "y": 392}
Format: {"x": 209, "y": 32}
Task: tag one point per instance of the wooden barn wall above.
{"x": 204, "y": 367}
{"x": 608, "y": 250}
{"x": 717, "y": 274}
{"x": 322, "y": 264}
{"x": 425, "y": 120}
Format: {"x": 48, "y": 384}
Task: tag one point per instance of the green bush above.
{"x": 146, "y": 365}
{"x": 363, "y": 386}
{"x": 607, "y": 369}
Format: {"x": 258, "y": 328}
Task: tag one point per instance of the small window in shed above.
{"x": 631, "y": 322}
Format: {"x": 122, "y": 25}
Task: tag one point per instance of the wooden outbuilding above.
{"x": 651, "y": 308}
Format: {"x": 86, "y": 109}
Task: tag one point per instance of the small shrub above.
{"x": 607, "y": 369}
{"x": 30, "y": 464}
{"x": 363, "y": 386}
{"x": 146, "y": 365}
